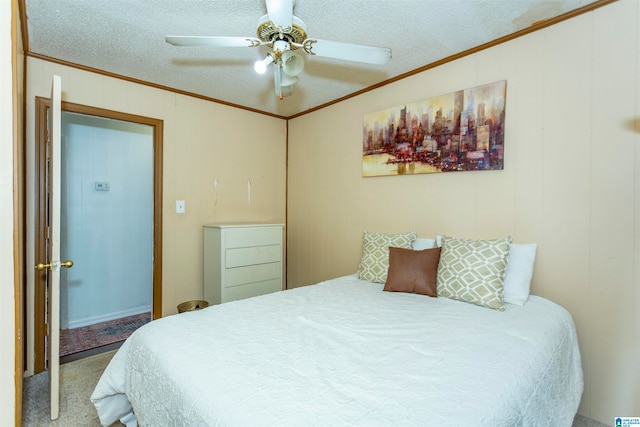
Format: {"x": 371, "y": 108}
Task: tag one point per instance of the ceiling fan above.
{"x": 284, "y": 33}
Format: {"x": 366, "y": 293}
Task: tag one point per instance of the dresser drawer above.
{"x": 250, "y": 256}
{"x": 251, "y": 290}
{"x": 253, "y": 236}
{"x": 252, "y": 273}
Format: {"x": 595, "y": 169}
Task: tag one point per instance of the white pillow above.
{"x": 517, "y": 277}
{"x": 423, "y": 243}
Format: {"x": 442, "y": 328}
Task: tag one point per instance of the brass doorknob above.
{"x": 66, "y": 264}
{"x": 41, "y": 266}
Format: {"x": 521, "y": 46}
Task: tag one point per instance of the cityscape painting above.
{"x": 460, "y": 131}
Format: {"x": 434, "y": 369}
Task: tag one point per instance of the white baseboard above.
{"x": 109, "y": 316}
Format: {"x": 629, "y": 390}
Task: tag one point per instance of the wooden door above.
{"x": 53, "y": 264}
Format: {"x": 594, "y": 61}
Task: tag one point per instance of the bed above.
{"x": 343, "y": 352}
{"x": 419, "y": 336}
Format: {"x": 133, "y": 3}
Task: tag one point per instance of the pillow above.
{"x": 413, "y": 271}
{"x": 375, "y": 253}
{"x": 422, "y": 243}
{"x": 517, "y": 278}
{"x": 473, "y": 270}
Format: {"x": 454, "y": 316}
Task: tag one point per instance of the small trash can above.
{"x": 192, "y": 305}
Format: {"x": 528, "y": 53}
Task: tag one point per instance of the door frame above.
{"x": 40, "y": 194}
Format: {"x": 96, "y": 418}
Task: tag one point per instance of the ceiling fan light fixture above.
{"x": 261, "y": 65}
{"x": 292, "y": 63}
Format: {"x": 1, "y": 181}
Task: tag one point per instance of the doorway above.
{"x": 103, "y": 278}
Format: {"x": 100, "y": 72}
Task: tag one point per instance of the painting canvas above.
{"x": 460, "y": 131}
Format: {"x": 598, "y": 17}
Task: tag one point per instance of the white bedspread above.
{"x": 343, "y": 352}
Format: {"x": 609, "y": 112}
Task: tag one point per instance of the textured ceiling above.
{"x": 126, "y": 37}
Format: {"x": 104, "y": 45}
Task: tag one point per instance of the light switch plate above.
{"x": 180, "y": 208}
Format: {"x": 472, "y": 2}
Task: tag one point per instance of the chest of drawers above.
{"x": 241, "y": 261}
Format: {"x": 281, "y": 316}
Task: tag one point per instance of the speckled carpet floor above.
{"x": 77, "y": 381}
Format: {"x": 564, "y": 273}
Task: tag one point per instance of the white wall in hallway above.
{"x": 108, "y": 234}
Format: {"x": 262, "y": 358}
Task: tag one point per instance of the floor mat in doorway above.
{"x": 104, "y": 333}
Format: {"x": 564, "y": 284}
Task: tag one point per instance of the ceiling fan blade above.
{"x": 347, "y": 51}
{"x": 280, "y": 12}
{"x": 213, "y": 41}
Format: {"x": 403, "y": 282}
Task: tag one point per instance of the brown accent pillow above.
{"x": 413, "y": 271}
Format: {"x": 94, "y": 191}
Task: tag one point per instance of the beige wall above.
{"x": 203, "y": 141}
{"x": 570, "y": 183}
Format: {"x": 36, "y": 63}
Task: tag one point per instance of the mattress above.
{"x": 344, "y": 352}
